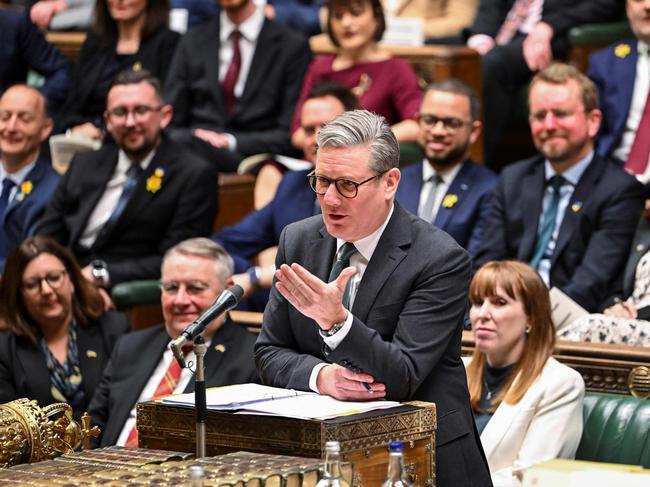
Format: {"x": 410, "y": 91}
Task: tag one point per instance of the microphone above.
{"x": 228, "y": 299}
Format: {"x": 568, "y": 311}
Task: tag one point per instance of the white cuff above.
{"x": 338, "y": 337}
{"x": 314, "y": 376}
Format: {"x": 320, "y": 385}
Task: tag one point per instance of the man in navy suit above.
{"x": 447, "y": 188}
{"x": 26, "y": 176}
{"x": 234, "y": 83}
{"x": 293, "y": 201}
{"x": 622, "y": 74}
{"x": 568, "y": 212}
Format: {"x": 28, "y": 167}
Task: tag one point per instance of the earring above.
{"x": 527, "y": 329}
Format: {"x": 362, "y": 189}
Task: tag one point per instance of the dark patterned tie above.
{"x": 127, "y": 190}
{"x": 230, "y": 80}
{"x": 341, "y": 263}
{"x": 548, "y": 221}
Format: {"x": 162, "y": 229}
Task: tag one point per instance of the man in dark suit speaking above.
{"x": 369, "y": 299}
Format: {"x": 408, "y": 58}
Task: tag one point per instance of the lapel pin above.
{"x": 219, "y": 348}
{"x": 622, "y": 50}
{"x": 91, "y": 354}
{"x": 640, "y": 248}
{"x": 464, "y": 187}
{"x": 576, "y": 207}
{"x": 450, "y": 200}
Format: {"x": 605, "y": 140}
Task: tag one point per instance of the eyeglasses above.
{"x": 193, "y": 288}
{"x": 139, "y": 112}
{"x": 560, "y": 115}
{"x": 451, "y": 124}
{"x": 345, "y": 187}
{"x": 54, "y": 279}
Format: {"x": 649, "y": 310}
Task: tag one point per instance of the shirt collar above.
{"x": 574, "y": 173}
{"x": 642, "y": 48}
{"x": 124, "y": 162}
{"x": 447, "y": 176}
{"x": 249, "y": 28}
{"x": 18, "y": 176}
{"x": 366, "y": 246}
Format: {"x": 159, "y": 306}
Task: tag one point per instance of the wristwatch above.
{"x": 99, "y": 271}
{"x": 335, "y": 327}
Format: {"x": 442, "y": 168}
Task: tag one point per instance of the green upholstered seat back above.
{"x": 616, "y": 430}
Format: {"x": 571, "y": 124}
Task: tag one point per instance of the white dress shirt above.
{"x": 440, "y": 189}
{"x": 17, "y": 177}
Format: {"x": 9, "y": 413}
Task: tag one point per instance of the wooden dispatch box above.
{"x": 363, "y": 437}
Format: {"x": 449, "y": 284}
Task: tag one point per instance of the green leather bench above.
{"x": 616, "y": 430}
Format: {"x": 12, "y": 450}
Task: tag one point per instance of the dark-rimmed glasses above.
{"x": 139, "y": 112}
{"x": 451, "y": 124}
{"x": 54, "y": 279}
{"x": 345, "y": 187}
{"x": 193, "y": 288}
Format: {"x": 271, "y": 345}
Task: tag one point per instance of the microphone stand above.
{"x": 199, "y": 395}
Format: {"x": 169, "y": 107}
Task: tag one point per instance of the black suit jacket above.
{"x": 184, "y": 207}
{"x": 408, "y": 317}
{"x": 136, "y": 356}
{"x": 153, "y": 55}
{"x": 262, "y": 115}
{"x": 24, "y": 372}
{"x": 595, "y": 234}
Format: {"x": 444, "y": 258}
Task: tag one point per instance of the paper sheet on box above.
{"x": 234, "y": 396}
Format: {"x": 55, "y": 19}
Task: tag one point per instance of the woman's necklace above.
{"x": 488, "y": 396}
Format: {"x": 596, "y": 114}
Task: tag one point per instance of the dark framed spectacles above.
{"x": 450, "y": 124}
{"x": 139, "y": 112}
{"x": 345, "y": 187}
{"x": 193, "y": 287}
{"x": 54, "y": 279}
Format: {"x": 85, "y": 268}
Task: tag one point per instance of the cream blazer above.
{"x": 545, "y": 424}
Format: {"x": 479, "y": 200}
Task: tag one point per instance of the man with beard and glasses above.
{"x": 568, "y": 212}
{"x": 120, "y": 208}
{"x": 447, "y": 188}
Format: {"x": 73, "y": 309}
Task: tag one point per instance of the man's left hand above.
{"x": 108, "y": 302}
{"x": 314, "y": 298}
{"x": 537, "y": 47}
{"x": 213, "y": 138}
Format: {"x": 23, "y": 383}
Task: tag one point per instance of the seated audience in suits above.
{"x": 516, "y": 38}
{"x": 527, "y": 405}
{"x": 56, "y": 337}
{"x": 293, "y": 201}
{"x": 384, "y": 84}
{"x": 625, "y": 317}
{"x": 567, "y": 211}
{"x": 234, "y": 82}
{"x": 447, "y": 188}
{"x": 27, "y": 178}
{"x": 620, "y": 72}
{"x": 368, "y": 293}
{"x": 124, "y": 35}
{"x": 142, "y": 367}
{"x": 123, "y": 206}
{"x": 23, "y": 47}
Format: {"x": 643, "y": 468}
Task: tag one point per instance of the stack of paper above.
{"x": 258, "y": 399}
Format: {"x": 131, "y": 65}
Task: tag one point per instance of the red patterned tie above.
{"x": 165, "y": 388}
{"x": 637, "y": 159}
{"x": 513, "y": 21}
{"x": 230, "y": 80}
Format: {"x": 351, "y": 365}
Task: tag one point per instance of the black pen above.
{"x": 367, "y": 386}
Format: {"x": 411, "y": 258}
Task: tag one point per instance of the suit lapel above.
{"x": 322, "y": 245}
{"x": 262, "y": 58}
{"x": 222, "y": 342}
{"x": 387, "y": 256}
{"x": 34, "y": 176}
{"x": 90, "y": 346}
{"x": 531, "y": 204}
{"x": 625, "y": 75}
{"x": 211, "y": 62}
{"x": 583, "y": 191}
{"x": 409, "y": 196}
{"x": 95, "y": 178}
{"x": 458, "y": 187}
{"x": 498, "y": 427}
{"x": 33, "y": 363}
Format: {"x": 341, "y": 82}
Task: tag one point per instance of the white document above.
{"x": 564, "y": 310}
{"x": 258, "y": 399}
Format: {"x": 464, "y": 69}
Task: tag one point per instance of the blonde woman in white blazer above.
{"x": 527, "y": 405}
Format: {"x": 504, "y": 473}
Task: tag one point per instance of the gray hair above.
{"x": 361, "y": 127}
{"x": 208, "y": 249}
